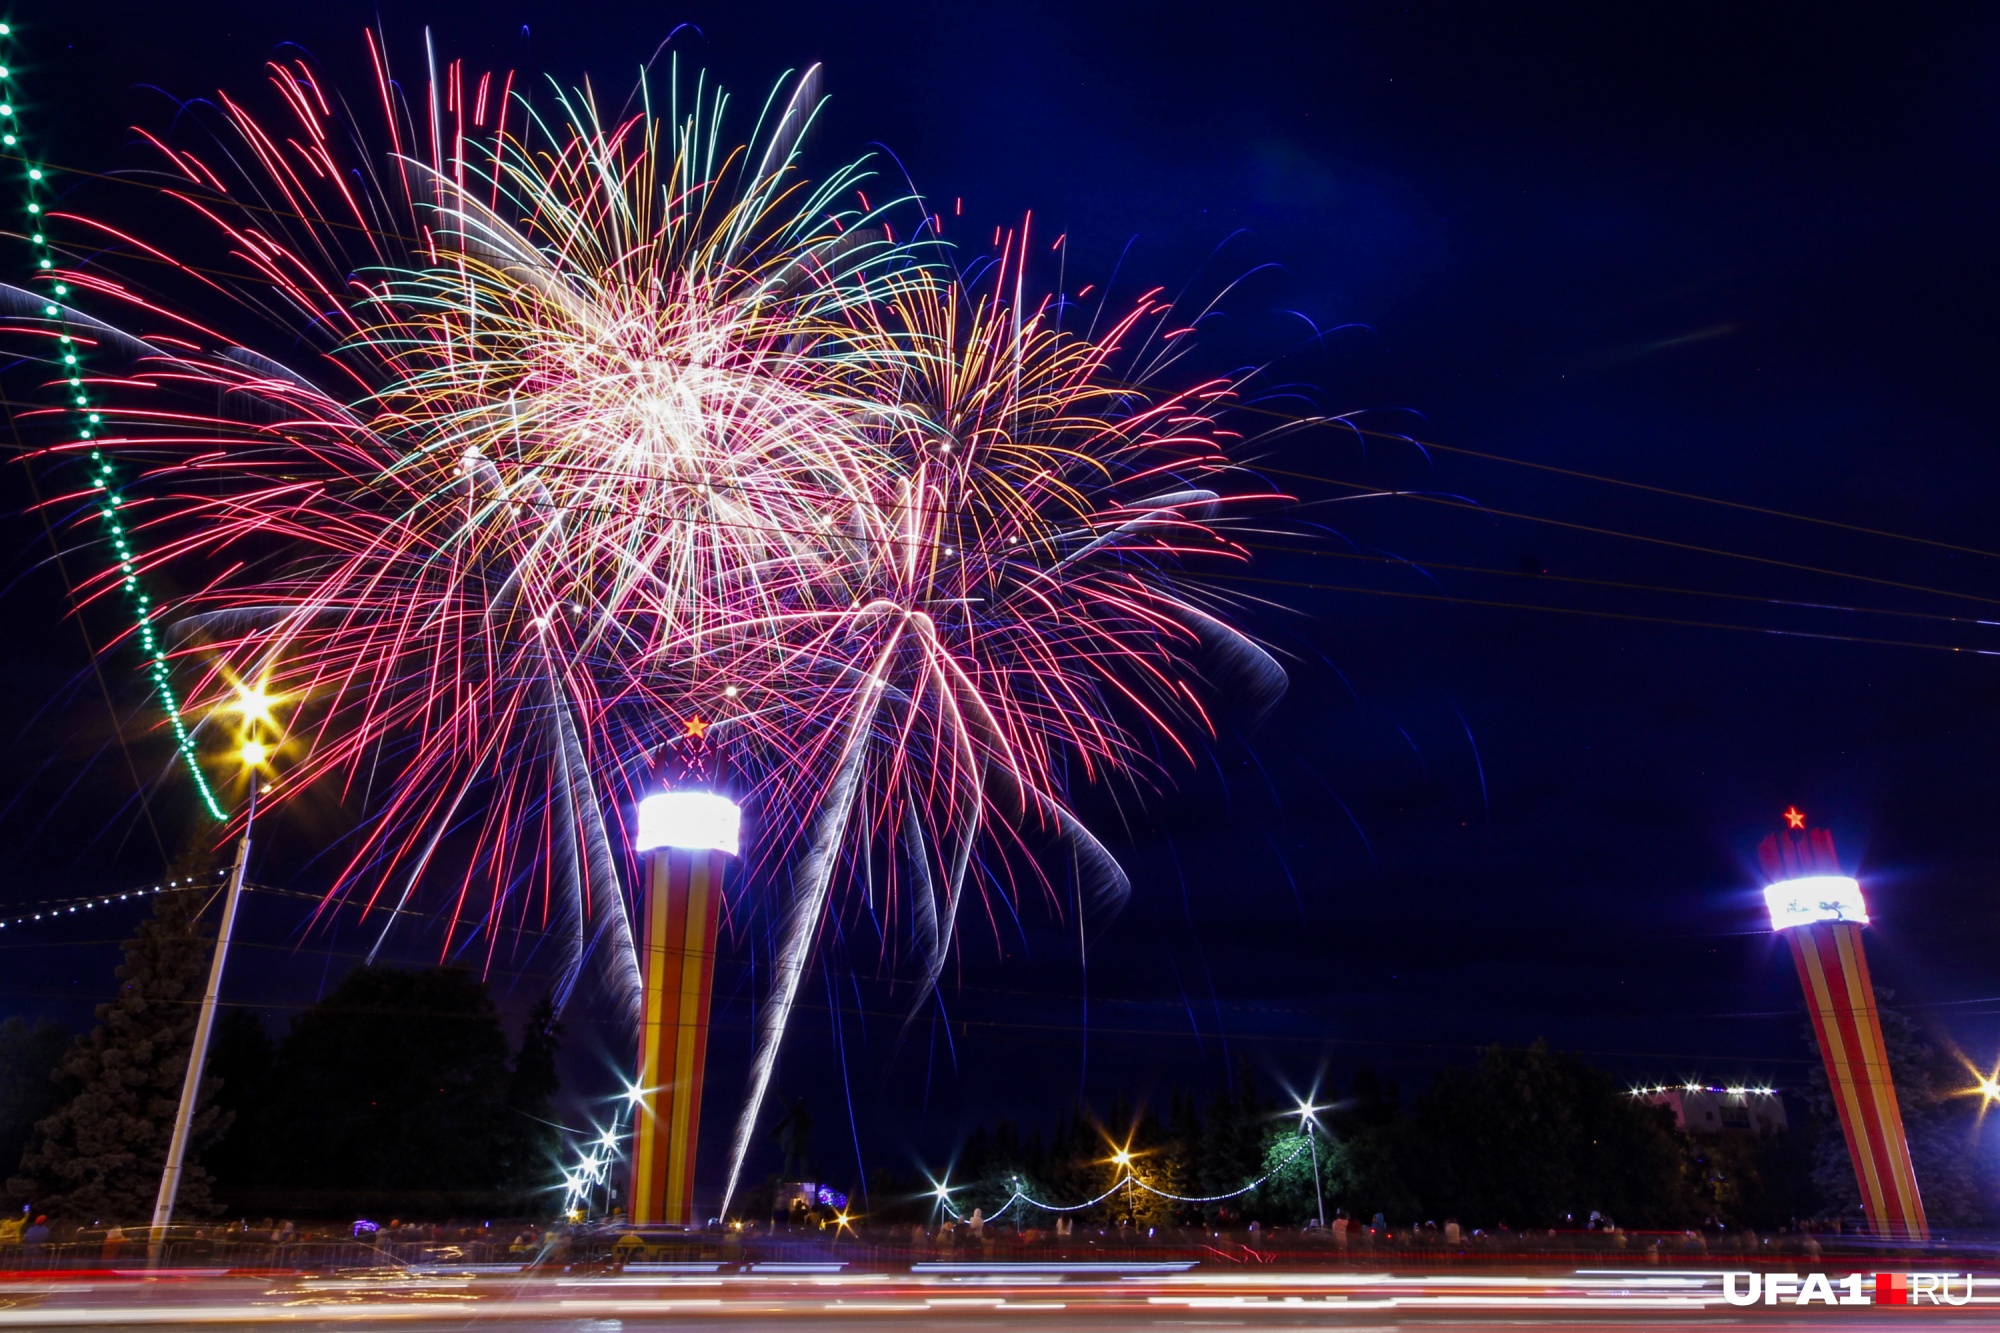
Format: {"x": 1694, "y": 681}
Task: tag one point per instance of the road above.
{"x": 971, "y": 1297}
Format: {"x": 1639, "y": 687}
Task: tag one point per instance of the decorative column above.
{"x": 685, "y": 839}
{"x": 1821, "y": 912}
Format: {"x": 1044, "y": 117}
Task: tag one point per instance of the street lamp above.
{"x": 253, "y": 754}
{"x": 1308, "y": 1122}
{"x": 1123, "y": 1158}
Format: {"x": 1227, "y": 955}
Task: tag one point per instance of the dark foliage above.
{"x": 533, "y": 1138}
{"x": 1762, "y": 1181}
{"x": 1528, "y": 1137}
{"x": 29, "y": 1054}
{"x": 241, "y": 1057}
{"x": 395, "y": 1092}
{"x": 100, "y": 1154}
{"x": 1537, "y": 1137}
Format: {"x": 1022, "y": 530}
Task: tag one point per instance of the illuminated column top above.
{"x": 1810, "y": 898}
{"x": 1805, "y": 883}
{"x": 699, "y": 821}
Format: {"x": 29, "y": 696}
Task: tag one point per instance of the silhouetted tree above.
{"x": 532, "y": 1085}
{"x": 241, "y": 1058}
{"x": 1367, "y": 1176}
{"x": 1762, "y": 1180}
{"x": 29, "y": 1054}
{"x": 1537, "y": 1136}
{"x": 100, "y": 1154}
{"x": 392, "y": 1091}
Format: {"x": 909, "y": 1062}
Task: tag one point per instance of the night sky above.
{"x": 1737, "y": 252}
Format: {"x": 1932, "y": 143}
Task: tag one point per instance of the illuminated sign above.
{"x": 693, "y": 820}
{"x": 1800, "y": 902}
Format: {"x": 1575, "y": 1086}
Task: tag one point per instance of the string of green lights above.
{"x": 103, "y": 473}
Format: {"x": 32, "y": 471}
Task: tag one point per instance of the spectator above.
{"x": 37, "y": 1234}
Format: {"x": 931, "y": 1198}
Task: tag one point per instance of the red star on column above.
{"x": 696, "y": 728}
{"x": 1794, "y": 818}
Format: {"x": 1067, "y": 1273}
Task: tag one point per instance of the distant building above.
{"x": 1714, "y": 1110}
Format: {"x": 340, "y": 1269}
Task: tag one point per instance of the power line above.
{"x": 1450, "y": 503}
{"x": 1600, "y": 615}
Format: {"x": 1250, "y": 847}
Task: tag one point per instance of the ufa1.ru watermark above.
{"x": 1854, "y": 1289}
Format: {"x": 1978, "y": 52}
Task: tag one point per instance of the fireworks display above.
{"x": 532, "y": 455}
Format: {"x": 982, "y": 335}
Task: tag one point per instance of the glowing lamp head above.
{"x": 1800, "y": 902}
{"x": 699, "y": 821}
{"x": 253, "y": 754}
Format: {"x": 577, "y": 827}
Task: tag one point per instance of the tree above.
{"x": 29, "y": 1054}
{"x": 532, "y": 1085}
{"x": 1537, "y": 1136}
{"x": 1232, "y": 1153}
{"x": 391, "y": 1092}
{"x": 240, "y": 1064}
{"x": 1761, "y": 1180}
{"x": 1288, "y": 1193}
{"x": 100, "y": 1154}
{"x": 1367, "y": 1176}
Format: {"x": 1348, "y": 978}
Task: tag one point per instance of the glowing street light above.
{"x": 253, "y": 703}
{"x": 1309, "y": 1122}
{"x": 1122, "y": 1158}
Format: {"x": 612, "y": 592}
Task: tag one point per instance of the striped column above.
{"x": 1833, "y": 968}
{"x": 1822, "y": 912}
{"x": 677, "y": 966}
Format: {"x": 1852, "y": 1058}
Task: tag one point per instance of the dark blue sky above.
{"x": 1743, "y": 252}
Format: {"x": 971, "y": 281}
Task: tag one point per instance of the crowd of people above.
{"x": 31, "y": 1240}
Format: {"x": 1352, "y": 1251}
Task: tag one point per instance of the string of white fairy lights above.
{"x": 87, "y": 420}
{"x": 60, "y": 907}
{"x": 1021, "y": 1196}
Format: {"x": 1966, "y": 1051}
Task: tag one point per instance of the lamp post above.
{"x": 253, "y": 753}
{"x": 1123, "y": 1157}
{"x": 1309, "y": 1122}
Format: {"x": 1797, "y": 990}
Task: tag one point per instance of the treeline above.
{"x": 1527, "y": 1137}
{"x": 399, "y": 1092}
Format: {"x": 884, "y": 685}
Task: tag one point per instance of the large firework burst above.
{"x": 581, "y": 435}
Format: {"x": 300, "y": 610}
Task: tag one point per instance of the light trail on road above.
{"x": 982, "y": 1295}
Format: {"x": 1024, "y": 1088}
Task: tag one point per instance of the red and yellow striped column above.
{"x": 686, "y": 853}
{"x": 1821, "y": 912}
